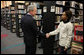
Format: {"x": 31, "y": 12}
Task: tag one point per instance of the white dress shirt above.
{"x": 65, "y": 30}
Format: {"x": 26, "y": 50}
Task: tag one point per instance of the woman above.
{"x": 65, "y": 29}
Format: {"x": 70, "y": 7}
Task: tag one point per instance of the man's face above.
{"x": 34, "y": 11}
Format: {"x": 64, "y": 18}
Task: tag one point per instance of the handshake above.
{"x": 43, "y": 34}
{"x": 47, "y": 35}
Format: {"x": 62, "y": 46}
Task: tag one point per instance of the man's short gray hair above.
{"x": 30, "y": 8}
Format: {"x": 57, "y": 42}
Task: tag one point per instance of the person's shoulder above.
{"x": 61, "y": 23}
{"x": 69, "y": 24}
{"x": 27, "y": 16}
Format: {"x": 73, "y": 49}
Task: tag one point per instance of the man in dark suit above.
{"x": 30, "y": 30}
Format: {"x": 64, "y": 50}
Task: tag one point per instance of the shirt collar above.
{"x": 29, "y": 14}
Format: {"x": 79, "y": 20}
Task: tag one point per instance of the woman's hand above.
{"x": 47, "y": 35}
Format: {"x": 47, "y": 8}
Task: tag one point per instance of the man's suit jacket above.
{"x": 29, "y": 29}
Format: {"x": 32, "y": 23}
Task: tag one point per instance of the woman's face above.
{"x": 64, "y": 17}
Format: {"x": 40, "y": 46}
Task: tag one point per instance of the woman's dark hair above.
{"x": 68, "y": 14}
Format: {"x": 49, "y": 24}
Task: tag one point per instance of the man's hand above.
{"x": 47, "y": 35}
{"x": 65, "y": 49}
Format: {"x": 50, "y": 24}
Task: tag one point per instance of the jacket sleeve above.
{"x": 69, "y": 35}
{"x": 55, "y": 31}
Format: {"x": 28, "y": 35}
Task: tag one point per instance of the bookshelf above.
{"x": 2, "y": 12}
{"x": 7, "y": 18}
{"x": 77, "y": 41}
{"x": 13, "y": 19}
{"x": 49, "y": 25}
{"x": 77, "y": 45}
{"x": 74, "y": 6}
{"x": 38, "y": 17}
{"x": 4, "y": 17}
{"x": 20, "y": 12}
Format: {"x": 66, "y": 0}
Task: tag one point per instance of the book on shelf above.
{"x": 20, "y": 6}
{"x": 21, "y": 34}
{"x": 52, "y": 9}
{"x": 8, "y": 24}
{"x": 80, "y": 12}
{"x": 56, "y": 12}
{"x": 39, "y": 11}
{"x": 44, "y": 9}
{"x": 13, "y": 15}
{"x": 13, "y": 19}
{"x": 79, "y": 33}
{"x": 37, "y": 17}
{"x": 76, "y": 48}
{"x": 76, "y": 43}
{"x": 59, "y": 2}
{"x": 19, "y": 21}
{"x": 76, "y": 23}
{"x": 27, "y": 3}
{"x": 13, "y": 30}
{"x": 73, "y": 3}
{"x": 12, "y": 12}
{"x": 19, "y": 1}
{"x": 76, "y": 51}
{"x": 81, "y": 6}
{"x": 6, "y": 9}
{"x": 19, "y": 16}
{"x": 38, "y": 5}
{"x": 21, "y": 11}
{"x": 59, "y": 10}
{"x": 14, "y": 22}
{"x": 12, "y": 8}
{"x": 7, "y": 21}
{"x": 81, "y": 18}
{"x": 8, "y": 27}
{"x": 78, "y": 38}
{"x": 63, "y": 3}
{"x": 20, "y": 30}
{"x": 72, "y": 10}
{"x": 7, "y": 15}
{"x": 58, "y": 18}
{"x": 38, "y": 23}
{"x": 14, "y": 26}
